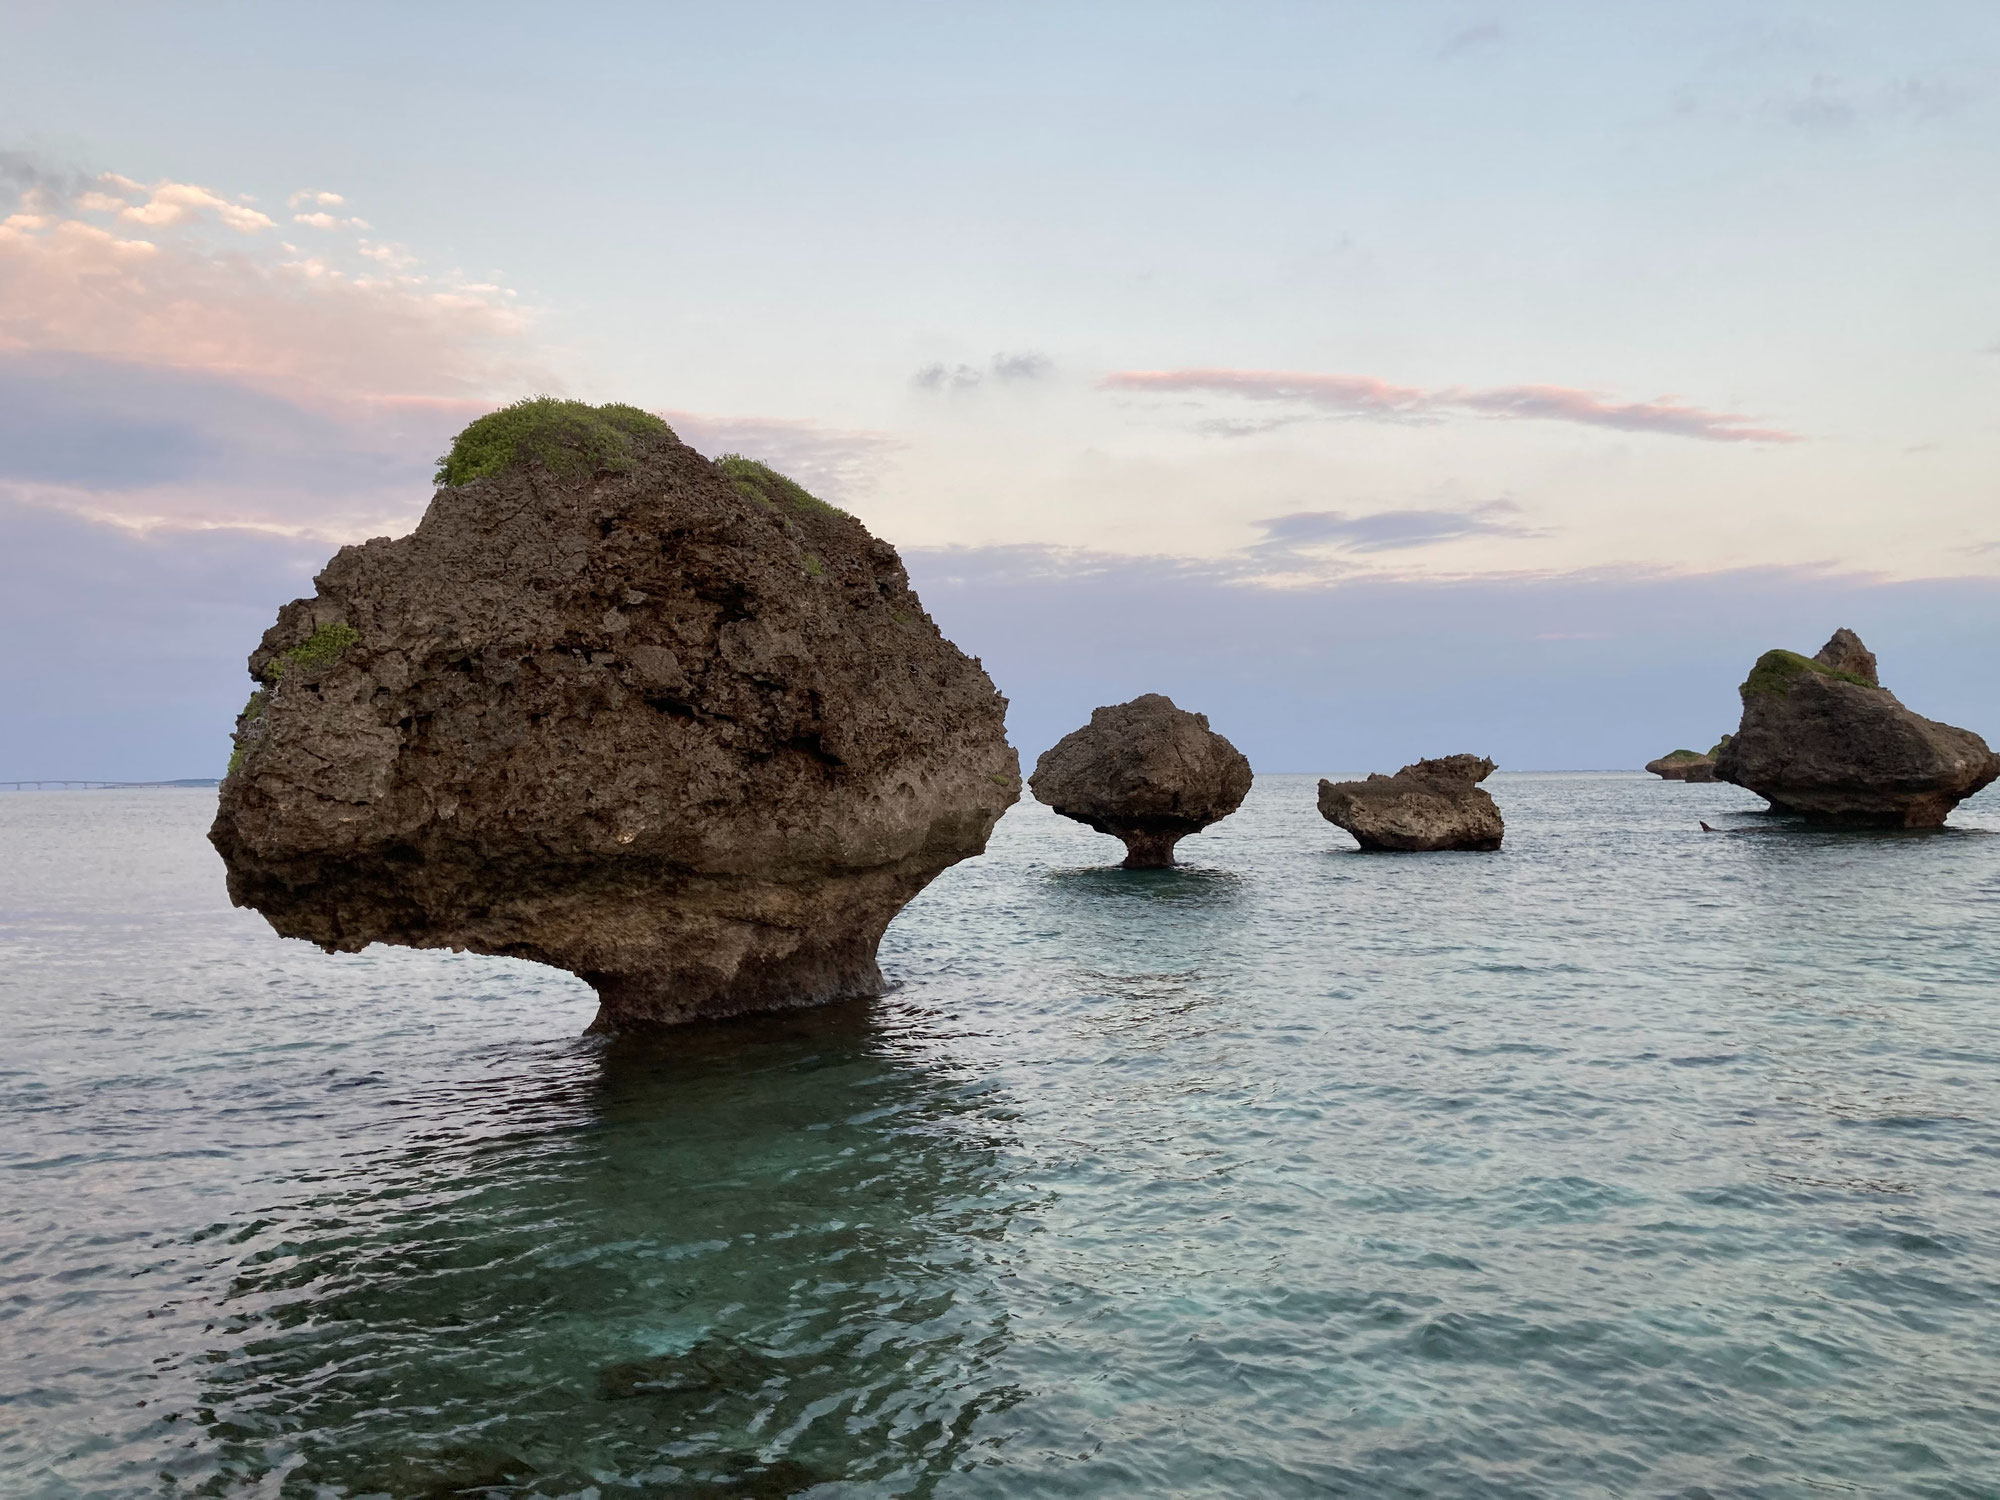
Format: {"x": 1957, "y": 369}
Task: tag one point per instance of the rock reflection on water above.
{"x": 748, "y": 1260}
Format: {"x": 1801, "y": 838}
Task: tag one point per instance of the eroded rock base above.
{"x": 811, "y": 974}
{"x": 1149, "y": 848}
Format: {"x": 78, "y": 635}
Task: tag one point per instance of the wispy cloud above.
{"x": 1306, "y": 531}
{"x": 1480, "y": 38}
{"x": 320, "y": 219}
{"x": 1828, "y": 104}
{"x": 1027, "y": 365}
{"x": 1369, "y": 396}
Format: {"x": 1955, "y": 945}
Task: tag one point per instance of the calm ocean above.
{"x": 1630, "y": 1161}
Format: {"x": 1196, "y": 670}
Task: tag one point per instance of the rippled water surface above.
{"x": 1629, "y": 1161}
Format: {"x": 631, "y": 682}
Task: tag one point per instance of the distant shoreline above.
{"x": 92, "y": 784}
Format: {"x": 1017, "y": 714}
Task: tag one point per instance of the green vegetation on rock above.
{"x": 321, "y": 649}
{"x": 252, "y": 712}
{"x": 1776, "y": 671}
{"x": 571, "y": 439}
{"x": 1715, "y": 750}
{"x": 1683, "y": 755}
{"x": 764, "y": 484}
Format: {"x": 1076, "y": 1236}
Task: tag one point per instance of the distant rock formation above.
{"x": 1823, "y": 738}
{"x": 1683, "y": 765}
{"x": 1145, "y": 772}
{"x": 675, "y": 726}
{"x": 1434, "y": 804}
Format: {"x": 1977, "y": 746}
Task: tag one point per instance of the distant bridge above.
{"x": 51, "y": 784}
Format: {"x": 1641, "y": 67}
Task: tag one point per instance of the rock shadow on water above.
{"x": 750, "y": 1258}
{"x": 1794, "y": 829}
{"x": 1181, "y": 886}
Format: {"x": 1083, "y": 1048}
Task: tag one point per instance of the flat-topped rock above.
{"x": 672, "y": 725}
{"x": 1823, "y": 738}
{"x": 1432, "y": 805}
{"x": 1683, "y": 765}
{"x": 1146, "y": 773}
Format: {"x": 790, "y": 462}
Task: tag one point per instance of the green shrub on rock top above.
{"x": 1776, "y": 671}
{"x": 571, "y": 439}
{"x": 761, "y": 482}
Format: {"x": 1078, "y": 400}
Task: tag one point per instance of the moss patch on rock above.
{"x": 761, "y": 482}
{"x": 1683, "y": 755}
{"x": 321, "y": 649}
{"x": 571, "y": 439}
{"x": 1776, "y": 671}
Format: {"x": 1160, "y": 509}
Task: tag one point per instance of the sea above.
{"x": 1632, "y": 1160}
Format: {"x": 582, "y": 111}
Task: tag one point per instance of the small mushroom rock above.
{"x": 1823, "y": 738}
{"x": 1683, "y": 765}
{"x": 1145, "y": 772}
{"x": 1434, "y": 804}
{"x": 675, "y": 726}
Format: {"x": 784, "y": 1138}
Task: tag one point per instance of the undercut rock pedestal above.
{"x": 676, "y": 727}
{"x": 1145, "y": 772}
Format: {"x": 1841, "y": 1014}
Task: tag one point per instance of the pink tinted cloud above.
{"x": 267, "y": 314}
{"x": 364, "y": 362}
{"x": 1371, "y": 396}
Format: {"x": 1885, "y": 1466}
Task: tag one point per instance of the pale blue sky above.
{"x": 1452, "y": 291}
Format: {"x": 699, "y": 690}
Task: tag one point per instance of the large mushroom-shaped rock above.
{"x": 1432, "y": 805}
{"x": 674, "y": 726}
{"x": 1145, "y": 772}
{"x": 1823, "y": 738}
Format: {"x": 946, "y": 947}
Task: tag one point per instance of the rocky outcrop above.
{"x": 1434, "y": 804}
{"x": 1823, "y": 738}
{"x": 1145, "y": 772}
{"x": 1683, "y": 765}
{"x": 674, "y": 726}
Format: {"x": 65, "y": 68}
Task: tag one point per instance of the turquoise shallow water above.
{"x": 1629, "y": 1161}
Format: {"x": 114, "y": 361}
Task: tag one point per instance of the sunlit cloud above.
{"x": 1369, "y": 396}
{"x": 169, "y": 203}
{"x": 177, "y": 380}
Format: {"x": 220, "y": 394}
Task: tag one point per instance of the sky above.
{"x": 1384, "y": 380}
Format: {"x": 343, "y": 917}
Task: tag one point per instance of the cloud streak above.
{"x": 1371, "y": 397}
{"x": 1008, "y": 369}
{"x": 1306, "y": 531}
